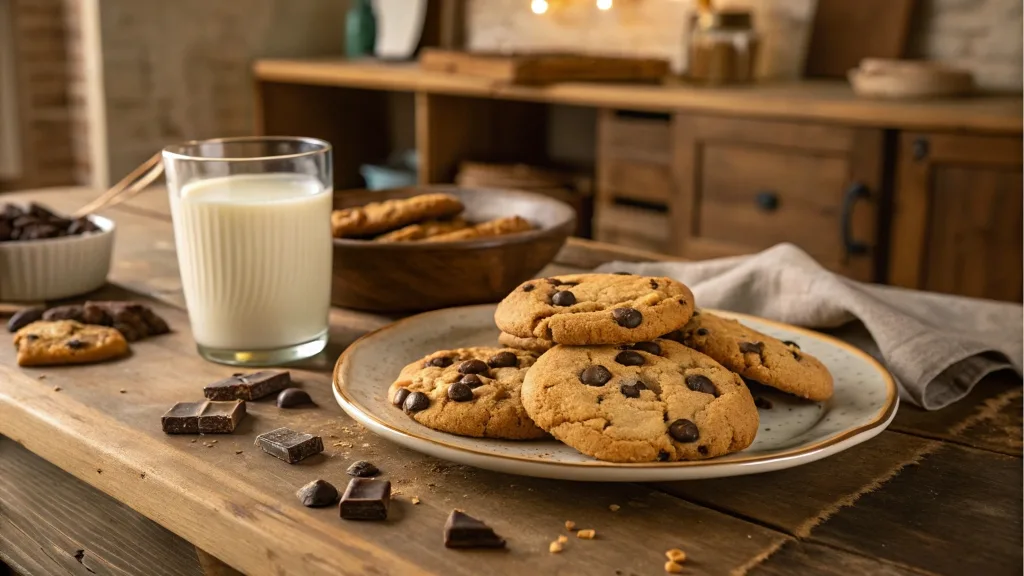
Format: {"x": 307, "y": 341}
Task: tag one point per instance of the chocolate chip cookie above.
{"x": 650, "y": 401}
{"x": 468, "y": 391}
{"x": 67, "y": 342}
{"x": 757, "y": 356}
{"x": 378, "y": 217}
{"x": 584, "y": 309}
{"x": 537, "y": 345}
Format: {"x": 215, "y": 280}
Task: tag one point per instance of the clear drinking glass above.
{"x": 253, "y": 234}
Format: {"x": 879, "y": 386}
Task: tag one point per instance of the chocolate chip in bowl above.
{"x": 488, "y": 254}
{"x": 46, "y": 256}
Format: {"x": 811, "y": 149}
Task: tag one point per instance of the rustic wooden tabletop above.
{"x": 90, "y": 484}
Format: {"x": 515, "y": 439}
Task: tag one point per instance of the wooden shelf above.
{"x": 806, "y": 100}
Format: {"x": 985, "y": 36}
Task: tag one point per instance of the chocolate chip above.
{"x": 472, "y": 380}
{"x": 528, "y": 288}
{"x": 654, "y": 284}
{"x": 362, "y": 469}
{"x": 627, "y": 317}
{"x": 703, "y": 450}
{"x": 31, "y": 337}
{"x": 762, "y": 403}
{"x": 649, "y": 347}
{"x": 675, "y": 336}
{"x": 555, "y": 281}
{"x": 596, "y": 375}
{"x": 682, "y": 301}
{"x": 24, "y": 318}
{"x": 439, "y": 362}
{"x": 504, "y": 359}
{"x": 290, "y": 397}
{"x": 791, "y": 343}
{"x": 473, "y": 367}
{"x": 701, "y": 383}
{"x": 563, "y": 298}
{"x": 415, "y": 402}
{"x": 76, "y": 344}
{"x": 629, "y": 358}
{"x": 623, "y": 273}
{"x": 751, "y": 347}
{"x": 460, "y": 392}
{"x": 684, "y": 431}
{"x": 662, "y": 456}
{"x": 632, "y": 389}
{"x": 702, "y": 331}
{"x": 399, "y": 397}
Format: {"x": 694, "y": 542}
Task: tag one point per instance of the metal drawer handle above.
{"x": 855, "y": 192}
{"x": 767, "y": 200}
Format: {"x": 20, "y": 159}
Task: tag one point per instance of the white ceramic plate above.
{"x": 792, "y": 432}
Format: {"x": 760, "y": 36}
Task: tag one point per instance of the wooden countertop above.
{"x": 935, "y": 493}
{"x": 806, "y": 100}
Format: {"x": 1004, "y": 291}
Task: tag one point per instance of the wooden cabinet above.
{"x": 956, "y": 223}
{"x": 744, "y": 185}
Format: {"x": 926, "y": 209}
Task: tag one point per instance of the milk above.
{"x": 255, "y": 258}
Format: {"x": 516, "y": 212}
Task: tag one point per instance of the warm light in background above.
{"x": 604, "y": 4}
{"x": 541, "y": 6}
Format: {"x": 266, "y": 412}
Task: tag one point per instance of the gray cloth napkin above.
{"x": 937, "y": 346}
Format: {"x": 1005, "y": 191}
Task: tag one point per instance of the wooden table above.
{"x": 90, "y": 485}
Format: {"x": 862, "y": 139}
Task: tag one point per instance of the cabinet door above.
{"x": 745, "y": 185}
{"x": 956, "y": 224}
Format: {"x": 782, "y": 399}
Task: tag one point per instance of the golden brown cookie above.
{"x": 757, "y": 356}
{"x": 652, "y": 401}
{"x": 537, "y": 345}
{"x": 582, "y": 309}
{"x": 468, "y": 391}
{"x": 378, "y": 217}
{"x": 496, "y": 227}
{"x": 46, "y": 343}
{"x": 427, "y": 229}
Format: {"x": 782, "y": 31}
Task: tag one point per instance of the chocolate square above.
{"x": 366, "y": 499}
{"x": 289, "y": 445}
{"x": 249, "y": 386}
{"x": 203, "y": 417}
{"x": 182, "y": 418}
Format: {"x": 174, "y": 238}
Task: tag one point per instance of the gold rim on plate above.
{"x": 881, "y": 417}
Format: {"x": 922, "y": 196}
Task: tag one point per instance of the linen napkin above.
{"x": 936, "y": 346}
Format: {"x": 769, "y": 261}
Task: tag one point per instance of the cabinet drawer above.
{"x": 647, "y": 138}
{"x": 635, "y": 180}
{"x": 633, "y": 227}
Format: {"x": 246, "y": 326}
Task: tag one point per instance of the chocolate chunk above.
{"x": 400, "y": 396}
{"x": 649, "y": 347}
{"x": 11, "y": 211}
{"x": 317, "y": 494}
{"x": 76, "y": 344}
{"x": 751, "y": 347}
{"x": 459, "y": 392}
{"x": 528, "y": 288}
{"x": 366, "y": 499}
{"x": 563, "y": 298}
{"x": 473, "y": 367}
{"x": 654, "y": 284}
{"x": 440, "y": 362}
{"x": 362, "y": 469}
{"x": 289, "y": 445}
{"x": 762, "y": 403}
{"x": 684, "y": 431}
{"x": 596, "y": 375}
{"x": 290, "y": 397}
{"x": 701, "y": 383}
{"x": 25, "y": 317}
{"x": 415, "y": 402}
{"x": 662, "y": 456}
{"x": 41, "y": 212}
{"x": 629, "y": 358}
{"x": 703, "y": 450}
{"x": 74, "y": 312}
{"x": 702, "y": 332}
{"x": 632, "y": 389}
{"x": 791, "y": 344}
{"x": 627, "y": 317}
{"x": 249, "y": 386}
{"x": 503, "y": 359}
{"x": 471, "y": 380}
{"x": 463, "y": 531}
{"x": 203, "y": 417}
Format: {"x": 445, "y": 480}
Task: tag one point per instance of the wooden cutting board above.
{"x": 544, "y": 68}
{"x": 847, "y": 31}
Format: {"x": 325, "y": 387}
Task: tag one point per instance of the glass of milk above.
{"x": 253, "y": 234}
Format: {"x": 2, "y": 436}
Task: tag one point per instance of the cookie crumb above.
{"x": 614, "y": 507}
{"x": 563, "y": 538}
{"x": 193, "y": 440}
{"x": 213, "y": 441}
{"x": 570, "y": 525}
{"x": 41, "y": 377}
{"x": 587, "y": 534}
{"x": 555, "y": 547}
{"x": 676, "y": 555}
{"x": 673, "y": 567}
{"x": 122, "y": 391}
{"x": 56, "y": 388}
{"x": 415, "y": 500}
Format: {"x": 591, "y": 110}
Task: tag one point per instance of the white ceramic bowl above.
{"x": 36, "y": 270}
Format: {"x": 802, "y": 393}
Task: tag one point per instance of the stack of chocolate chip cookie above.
{"x": 620, "y": 367}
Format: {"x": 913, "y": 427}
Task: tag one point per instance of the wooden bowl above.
{"x": 415, "y": 276}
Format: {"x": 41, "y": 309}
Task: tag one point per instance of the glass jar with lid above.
{"x": 722, "y": 48}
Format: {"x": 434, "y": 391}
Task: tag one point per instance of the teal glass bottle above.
{"x": 360, "y": 29}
